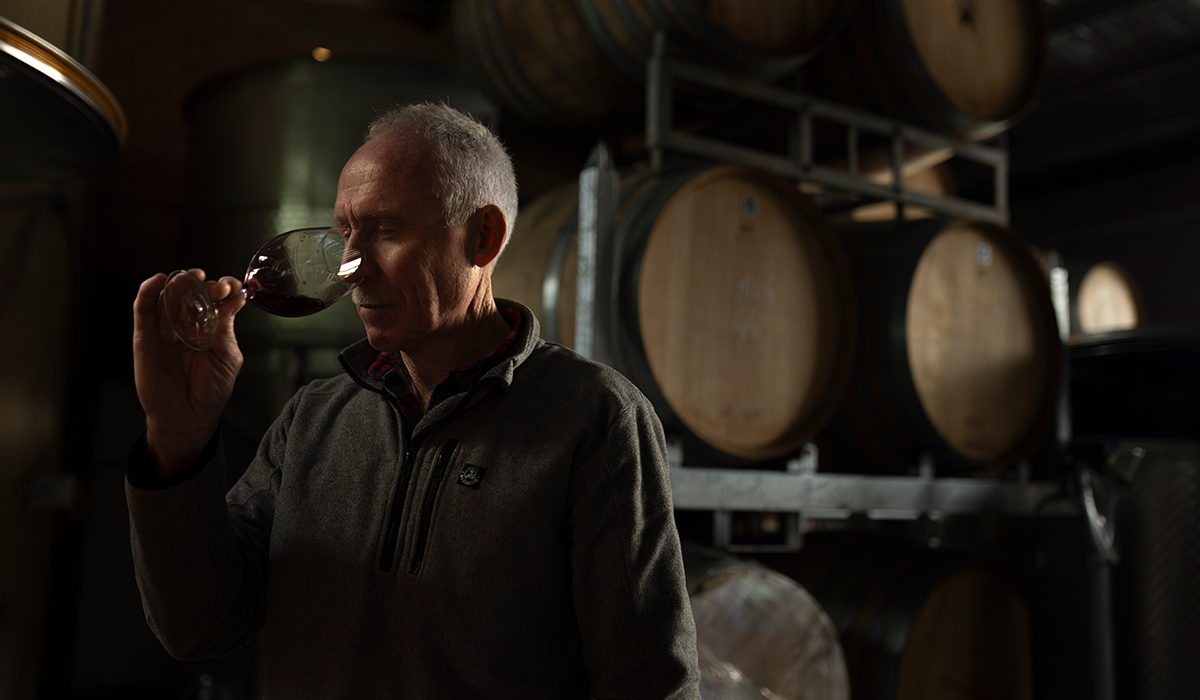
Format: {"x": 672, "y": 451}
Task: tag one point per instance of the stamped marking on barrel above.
{"x": 983, "y": 254}
{"x": 749, "y": 205}
{"x": 750, "y": 294}
{"x": 751, "y": 289}
{"x": 745, "y": 324}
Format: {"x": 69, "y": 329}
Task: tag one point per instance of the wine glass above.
{"x": 297, "y": 273}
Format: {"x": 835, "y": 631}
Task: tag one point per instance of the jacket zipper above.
{"x": 427, "y": 507}
{"x": 392, "y": 535}
{"x": 393, "y": 530}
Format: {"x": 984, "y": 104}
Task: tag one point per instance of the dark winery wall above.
{"x": 1105, "y": 165}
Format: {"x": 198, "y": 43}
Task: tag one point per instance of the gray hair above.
{"x": 471, "y": 167}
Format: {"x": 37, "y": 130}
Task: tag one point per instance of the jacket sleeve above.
{"x": 200, "y": 556}
{"x": 631, "y": 602}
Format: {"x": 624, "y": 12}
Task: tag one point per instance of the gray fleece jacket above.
{"x": 519, "y": 543}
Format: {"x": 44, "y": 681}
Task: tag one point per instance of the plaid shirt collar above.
{"x": 389, "y": 369}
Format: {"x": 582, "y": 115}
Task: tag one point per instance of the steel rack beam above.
{"x": 661, "y": 137}
{"x": 837, "y": 496}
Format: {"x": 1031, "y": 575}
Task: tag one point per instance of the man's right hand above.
{"x": 181, "y": 390}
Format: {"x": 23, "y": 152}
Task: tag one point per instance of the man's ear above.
{"x": 493, "y": 230}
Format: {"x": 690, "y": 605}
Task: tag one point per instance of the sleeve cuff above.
{"x": 140, "y": 476}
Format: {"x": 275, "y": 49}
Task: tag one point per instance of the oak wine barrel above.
{"x": 1104, "y": 299}
{"x": 959, "y": 352}
{"x": 572, "y": 64}
{"x": 48, "y": 347}
{"x": 758, "y": 630}
{"x": 917, "y": 624}
{"x": 734, "y": 308}
{"x": 969, "y": 67}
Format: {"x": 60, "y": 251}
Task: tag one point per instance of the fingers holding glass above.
{"x": 188, "y": 310}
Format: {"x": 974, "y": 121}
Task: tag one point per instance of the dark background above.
{"x": 1105, "y": 166}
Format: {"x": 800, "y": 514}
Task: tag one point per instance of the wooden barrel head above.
{"x": 982, "y": 54}
{"x": 1107, "y": 300}
{"x": 972, "y": 638}
{"x": 756, "y": 628}
{"x": 977, "y": 346}
{"x": 739, "y": 311}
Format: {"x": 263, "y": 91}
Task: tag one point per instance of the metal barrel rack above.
{"x": 802, "y": 491}
{"x": 662, "y": 70}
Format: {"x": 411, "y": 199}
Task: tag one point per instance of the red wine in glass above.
{"x": 297, "y": 273}
{"x": 288, "y": 305}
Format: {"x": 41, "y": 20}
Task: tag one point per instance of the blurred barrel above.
{"x": 44, "y": 351}
{"x": 958, "y": 349}
{"x": 969, "y": 67}
{"x": 266, "y": 146}
{"x": 916, "y": 624}
{"x": 734, "y": 306}
{"x": 757, "y": 629}
{"x": 58, "y": 120}
{"x": 1104, "y": 298}
{"x": 566, "y": 64}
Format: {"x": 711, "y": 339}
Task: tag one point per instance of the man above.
{"x": 467, "y": 512}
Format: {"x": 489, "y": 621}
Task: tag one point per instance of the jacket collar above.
{"x": 358, "y": 357}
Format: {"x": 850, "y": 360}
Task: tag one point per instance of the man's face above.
{"x": 416, "y": 277}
